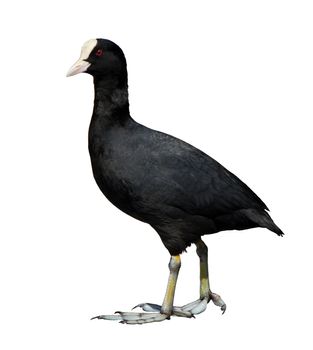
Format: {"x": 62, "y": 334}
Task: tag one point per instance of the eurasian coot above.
{"x": 160, "y": 180}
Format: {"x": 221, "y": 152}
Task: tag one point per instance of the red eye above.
{"x": 99, "y": 52}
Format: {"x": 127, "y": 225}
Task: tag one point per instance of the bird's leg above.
{"x": 206, "y": 295}
{"x": 158, "y": 313}
{"x": 174, "y": 267}
{"x": 202, "y": 251}
{"x": 197, "y": 306}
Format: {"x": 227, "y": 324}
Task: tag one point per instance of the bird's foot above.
{"x": 154, "y": 314}
{"x": 134, "y": 317}
{"x": 189, "y": 310}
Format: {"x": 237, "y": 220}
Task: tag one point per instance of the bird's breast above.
{"x": 115, "y": 172}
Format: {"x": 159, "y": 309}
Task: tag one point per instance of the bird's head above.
{"x": 101, "y": 58}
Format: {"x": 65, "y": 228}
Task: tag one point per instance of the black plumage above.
{"x": 159, "y": 179}
{"x": 156, "y": 178}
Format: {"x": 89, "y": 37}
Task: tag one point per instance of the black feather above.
{"x": 156, "y": 178}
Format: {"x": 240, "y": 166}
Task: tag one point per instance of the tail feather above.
{"x": 263, "y": 219}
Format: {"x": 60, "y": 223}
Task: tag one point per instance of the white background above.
{"x": 234, "y": 78}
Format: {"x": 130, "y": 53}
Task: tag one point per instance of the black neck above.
{"x": 111, "y": 100}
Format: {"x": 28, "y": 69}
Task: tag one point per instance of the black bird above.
{"x": 160, "y": 180}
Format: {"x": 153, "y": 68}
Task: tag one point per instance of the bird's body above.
{"x": 156, "y": 178}
{"x": 171, "y": 185}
